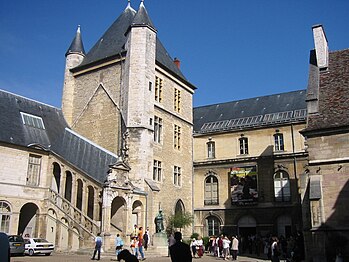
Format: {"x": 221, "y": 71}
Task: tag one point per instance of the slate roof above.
{"x": 55, "y": 137}
{"x": 333, "y": 110}
{"x": 253, "y": 112}
{"x": 112, "y": 43}
{"x": 76, "y": 46}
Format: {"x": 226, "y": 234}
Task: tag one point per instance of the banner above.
{"x": 243, "y": 185}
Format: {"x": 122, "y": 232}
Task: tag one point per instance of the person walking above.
{"x": 140, "y": 248}
{"x": 98, "y": 246}
{"x": 119, "y": 243}
{"x": 134, "y": 246}
{"x": 275, "y": 250}
{"x": 180, "y": 252}
{"x": 226, "y": 247}
{"x": 235, "y": 247}
{"x": 200, "y": 245}
{"x": 193, "y": 247}
{"x": 146, "y": 240}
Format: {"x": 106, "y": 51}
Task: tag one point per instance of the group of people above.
{"x": 197, "y": 247}
{"x": 224, "y": 246}
{"x": 290, "y": 249}
{"x": 139, "y": 242}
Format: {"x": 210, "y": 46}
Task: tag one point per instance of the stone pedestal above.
{"x": 160, "y": 243}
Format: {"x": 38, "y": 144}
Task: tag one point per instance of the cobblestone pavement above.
{"x": 62, "y": 257}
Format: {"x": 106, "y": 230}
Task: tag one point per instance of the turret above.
{"x": 139, "y": 76}
{"x": 74, "y": 56}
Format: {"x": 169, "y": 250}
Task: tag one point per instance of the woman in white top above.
{"x": 199, "y": 244}
{"x": 226, "y": 246}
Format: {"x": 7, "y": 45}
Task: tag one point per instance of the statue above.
{"x": 159, "y": 222}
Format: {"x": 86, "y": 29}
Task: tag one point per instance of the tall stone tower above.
{"x": 138, "y": 109}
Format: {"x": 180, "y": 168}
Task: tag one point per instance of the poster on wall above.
{"x": 243, "y": 185}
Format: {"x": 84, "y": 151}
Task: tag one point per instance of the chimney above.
{"x": 321, "y": 46}
{"x": 177, "y": 62}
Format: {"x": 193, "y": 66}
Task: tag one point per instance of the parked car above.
{"x": 17, "y": 246}
{"x": 35, "y": 246}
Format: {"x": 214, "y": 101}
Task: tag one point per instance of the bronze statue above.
{"x": 159, "y": 222}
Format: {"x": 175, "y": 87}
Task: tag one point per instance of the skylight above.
{"x": 31, "y": 120}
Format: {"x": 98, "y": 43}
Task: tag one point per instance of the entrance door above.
{"x": 246, "y": 228}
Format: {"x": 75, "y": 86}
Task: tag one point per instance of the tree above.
{"x": 179, "y": 220}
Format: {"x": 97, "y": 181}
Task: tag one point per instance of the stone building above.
{"x": 248, "y": 157}
{"x": 115, "y": 152}
{"x": 325, "y": 186}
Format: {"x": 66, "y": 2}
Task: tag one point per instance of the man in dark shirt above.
{"x": 180, "y": 252}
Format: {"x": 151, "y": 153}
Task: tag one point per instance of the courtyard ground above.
{"x": 64, "y": 257}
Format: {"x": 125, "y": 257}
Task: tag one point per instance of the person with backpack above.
{"x": 98, "y": 246}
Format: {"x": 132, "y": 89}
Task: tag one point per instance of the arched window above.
{"x": 179, "y": 209}
{"x": 68, "y": 186}
{"x": 90, "y": 201}
{"x": 213, "y": 225}
{"x": 5, "y": 217}
{"x": 79, "y": 195}
{"x": 282, "y": 186}
{"x": 211, "y": 190}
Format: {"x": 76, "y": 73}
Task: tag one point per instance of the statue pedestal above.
{"x": 160, "y": 243}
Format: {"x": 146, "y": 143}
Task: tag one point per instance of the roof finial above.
{"x": 78, "y": 30}
{"x": 142, "y": 2}
{"x": 128, "y": 3}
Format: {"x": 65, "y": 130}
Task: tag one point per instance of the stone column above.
{"x": 73, "y": 190}
{"x": 106, "y": 212}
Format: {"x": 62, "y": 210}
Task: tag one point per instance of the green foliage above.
{"x": 179, "y": 220}
{"x": 206, "y": 240}
{"x": 194, "y": 235}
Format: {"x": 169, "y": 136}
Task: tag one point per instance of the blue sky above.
{"x": 229, "y": 49}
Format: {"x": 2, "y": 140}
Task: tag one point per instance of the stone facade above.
{"x": 267, "y": 215}
{"x": 43, "y": 208}
{"x": 325, "y": 182}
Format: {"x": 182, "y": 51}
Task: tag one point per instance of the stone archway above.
{"x": 137, "y": 213}
{"x": 28, "y": 220}
{"x": 117, "y": 216}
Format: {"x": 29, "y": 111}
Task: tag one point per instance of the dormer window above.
{"x": 31, "y": 120}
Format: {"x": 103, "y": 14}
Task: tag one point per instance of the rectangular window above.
{"x": 158, "y": 89}
{"x": 157, "y": 129}
{"x": 211, "y": 149}
{"x": 177, "y": 137}
{"x": 157, "y": 171}
{"x": 279, "y": 142}
{"x": 243, "y": 146}
{"x": 177, "y": 176}
{"x": 34, "y": 166}
{"x": 31, "y": 120}
{"x": 177, "y": 100}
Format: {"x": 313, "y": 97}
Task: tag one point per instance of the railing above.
{"x": 86, "y": 223}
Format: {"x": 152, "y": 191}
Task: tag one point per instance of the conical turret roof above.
{"x": 113, "y": 40}
{"x": 76, "y": 47}
{"x": 112, "y": 43}
{"x": 142, "y": 18}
